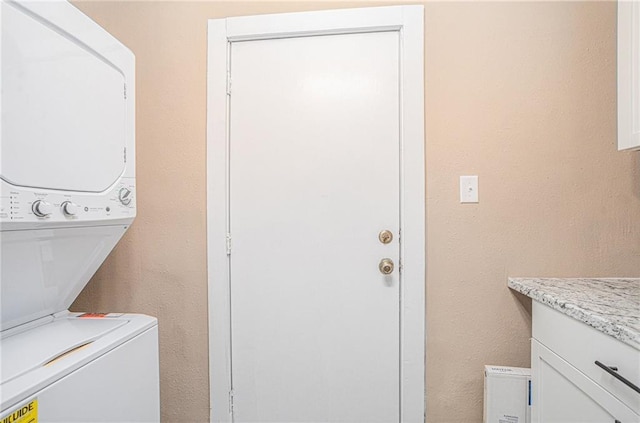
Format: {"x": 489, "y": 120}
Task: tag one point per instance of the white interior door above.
{"x": 314, "y": 176}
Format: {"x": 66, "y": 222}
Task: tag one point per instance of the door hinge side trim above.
{"x": 231, "y": 402}
{"x": 228, "y": 240}
{"x": 400, "y": 264}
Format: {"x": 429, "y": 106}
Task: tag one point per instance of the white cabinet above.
{"x": 628, "y": 74}
{"x": 564, "y": 395}
{"x": 567, "y": 385}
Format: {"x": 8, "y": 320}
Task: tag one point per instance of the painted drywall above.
{"x": 521, "y": 94}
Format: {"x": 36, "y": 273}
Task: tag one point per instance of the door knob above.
{"x": 386, "y": 266}
{"x": 385, "y": 236}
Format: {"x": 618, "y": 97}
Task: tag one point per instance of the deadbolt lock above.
{"x": 386, "y": 266}
{"x": 385, "y": 236}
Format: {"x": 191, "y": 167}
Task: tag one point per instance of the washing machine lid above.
{"x": 63, "y": 102}
{"x": 52, "y": 348}
{"x": 41, "y": 346}
{"x": 43, "y": 271}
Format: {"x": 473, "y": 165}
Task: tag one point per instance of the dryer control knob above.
{"x": 69, "y": 208}
{"x": 124, "y": 195}
{"x": 41, "y": 208}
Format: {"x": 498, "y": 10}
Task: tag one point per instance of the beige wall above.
{"x": 521, "y": 94}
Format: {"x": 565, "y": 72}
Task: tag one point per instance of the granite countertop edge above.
{"x": 573, "y": 309}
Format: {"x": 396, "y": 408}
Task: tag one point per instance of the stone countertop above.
{"x": 610, "y": 305}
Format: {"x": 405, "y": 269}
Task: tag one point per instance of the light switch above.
{"x": 469, "y": 189}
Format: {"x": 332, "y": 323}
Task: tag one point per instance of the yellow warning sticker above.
{"x": 28, "y": 413}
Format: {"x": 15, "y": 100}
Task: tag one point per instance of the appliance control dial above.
{"x": 69, "y": 208}
{"x": 124, "y": 195}
{"x": 41, "y": 208}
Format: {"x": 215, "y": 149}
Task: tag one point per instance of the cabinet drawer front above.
{"x": 562, "y": 394}
{"x": 582, "y": 345}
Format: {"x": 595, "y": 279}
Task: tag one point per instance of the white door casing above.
{"x": 397, "y": 32}
{"x": 628, "y": 62}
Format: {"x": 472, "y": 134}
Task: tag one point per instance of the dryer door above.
{"x": 63, "y": 108}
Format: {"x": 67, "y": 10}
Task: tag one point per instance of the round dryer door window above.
{"x": 63, "y": 109}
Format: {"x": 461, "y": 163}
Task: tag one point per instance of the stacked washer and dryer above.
{"x": 67, "y": 195}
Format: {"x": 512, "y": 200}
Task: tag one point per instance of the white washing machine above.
{"x": 67, "y": 195}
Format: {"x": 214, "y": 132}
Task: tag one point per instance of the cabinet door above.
{"x": 562, "y": 394}
{"x": 629, "y": 74}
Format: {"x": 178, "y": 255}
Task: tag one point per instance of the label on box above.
{"x": 28, "y": 413}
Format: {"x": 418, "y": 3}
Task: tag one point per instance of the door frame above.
{"x": 408, "y": 22}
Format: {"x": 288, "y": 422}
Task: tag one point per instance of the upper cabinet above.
{"x": 628, "y": 74}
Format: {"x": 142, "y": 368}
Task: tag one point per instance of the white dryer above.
{"x": 67, "y": 195}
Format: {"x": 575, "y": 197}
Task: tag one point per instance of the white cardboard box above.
{"x": 507, "y": 394}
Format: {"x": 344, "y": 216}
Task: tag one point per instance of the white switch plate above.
{"x": 469, "y": 189}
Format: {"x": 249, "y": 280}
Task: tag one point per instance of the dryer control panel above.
{"x": 31, "y": 205}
